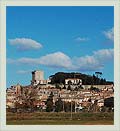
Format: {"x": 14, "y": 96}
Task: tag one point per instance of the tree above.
{"x": 49, "y": 103}
{"x": 26, "y": 99}
{"x": 18, "y": 106}
{"x": 94, "y": 106}
{"x": 109, "y": 102}
{"x": 103, "y": 109}
{"x": 86, "y": 79}
{"x": 29, "y": 96}
{"x": 59, "y": 105}
{"x": 94, "y": 80}
{"x": 67, "y": 106}
{"x": 57, "y": 86}
{"x": 98, "y": 75}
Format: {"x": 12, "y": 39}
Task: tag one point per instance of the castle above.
{"x": 38, "y": 78}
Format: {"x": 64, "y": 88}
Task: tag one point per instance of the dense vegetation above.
{"x": 60, "y": 118}
{"x": 86, "y": 79}
{"x": 109, "y": 102}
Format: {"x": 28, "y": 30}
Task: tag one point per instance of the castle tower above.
{"x": 37, "y": 76}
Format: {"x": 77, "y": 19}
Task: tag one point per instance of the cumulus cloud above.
{"x": 87, "y": 63}
{"x": 109, "y": 34}
{"x": 25, "y": 43}
{"x": 92, "y": 62}
{"x": 104, "y": 54}
{"x": 95, "y": 61}
{"x": 81, "y": 39}
{"x": 57, "y": 59}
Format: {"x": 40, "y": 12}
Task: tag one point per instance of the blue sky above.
{"x": 56, "y": 39}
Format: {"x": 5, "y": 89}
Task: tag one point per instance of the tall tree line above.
{"x": 86, "y": 79}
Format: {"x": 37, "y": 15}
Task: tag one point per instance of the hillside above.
{"x": 60, "y": 77}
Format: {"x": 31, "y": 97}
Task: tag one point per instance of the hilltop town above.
{"x": 72, "y": 95}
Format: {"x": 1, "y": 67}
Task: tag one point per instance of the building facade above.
{"x": 73, "y": 81}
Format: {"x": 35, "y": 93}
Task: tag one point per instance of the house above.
{"x": 73, "y": 81}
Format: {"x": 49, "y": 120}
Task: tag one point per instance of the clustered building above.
{"x": 82, "y": 98}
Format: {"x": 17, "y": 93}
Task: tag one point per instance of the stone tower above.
{"x": 37, "y": 76}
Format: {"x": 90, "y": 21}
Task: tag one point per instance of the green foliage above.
{"x": 86, "y": 79}
{"x": 49, "y": 103}
{"x": 27, "y": 97}
{"x": 59, "y": 118}
{"x": 69, "y": 106}
{"x": 57, "y": 86}
{"x": 59, "y": 105}
{"x": 103, "y": 109}
{"x": 109, "y": 102}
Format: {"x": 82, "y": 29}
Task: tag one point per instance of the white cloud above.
{"x": 87, "y": 63}
{"x": 104, "y": 54}
{"x": 81, "y": 39}
{"x": 95, "y": 61}
{"x": 109, "y": 34}
{"x": 61, "y": 60}
{"x": 57, "y": 59}
{"x": 25, "y": 43}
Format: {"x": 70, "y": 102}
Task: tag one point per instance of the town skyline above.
{"x": 63, "y": 94}
{"x": 59, "y": 39}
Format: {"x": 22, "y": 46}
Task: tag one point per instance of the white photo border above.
{"x": 116, "y": 126}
